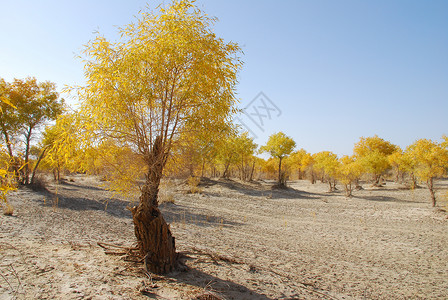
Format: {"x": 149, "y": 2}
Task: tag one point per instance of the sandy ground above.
{"x": 239, "y": 241}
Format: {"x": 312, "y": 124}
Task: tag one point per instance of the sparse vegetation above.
{"x": 154, "y": 125}
{"x": 8, "y": 209}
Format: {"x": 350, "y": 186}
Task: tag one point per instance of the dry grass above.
{"x": 39, "y": 184}
{"x": 8, "y": 209}
{"x": 193, "y": 185}
{"x": 166, "y": 192}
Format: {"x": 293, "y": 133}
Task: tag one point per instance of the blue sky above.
{"x": 336, "y": 70}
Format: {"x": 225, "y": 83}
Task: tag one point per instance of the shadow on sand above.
{"x": 258, "y": 189}
{"x": 179, "y": 213}
{"x": 385, "y": 199}
{"x": 120, "y": 208}
{"x": 212, "y": 285}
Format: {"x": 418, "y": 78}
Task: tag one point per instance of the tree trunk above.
{"x": 430, "y": 184}
{"x": 203, "y": 168}
{"x": 7, "y": 141}
{"x": 348, "y": 190}
{"x": 226, "y": 171}
{"x": 251, "y": 177}
{"x": 312, "y": 178}
{"x": 41, "y": 156}
{"x": 155, "y": 241}
{"x": 413, "y": 182}
{"x": 280, "y": 171}
{"x": 376, "y": 180}
{"x": 15, "y": 166}
{"x": 27, "y": 154}
{"x": 58, "y": 172}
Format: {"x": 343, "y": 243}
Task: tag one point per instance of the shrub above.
{"x": 193, "y": 185}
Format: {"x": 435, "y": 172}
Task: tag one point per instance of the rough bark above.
{"x": 155, "y": 241}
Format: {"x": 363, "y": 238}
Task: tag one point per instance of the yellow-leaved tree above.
{"x": 35, "y": 104}
{"x": 279, "y": 146}
{"x": 227, "y": 149}
{"x": 169, "y": 73}
{"x": 349, "y": 172}
{"x": 7, "y": 183}
{"x": 296, "y": 159}
{"x": 62, "y": 148}
{"x": 430, "y": 160}
{"x": 397, "y": 162}
{"x": 372, "y": 153}
{"x": 245, "y": 150}
{"x": 328, "y": 164}
{"x": 307, "y": 163}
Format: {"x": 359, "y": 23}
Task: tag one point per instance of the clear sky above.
{"x": 333, "y": 71}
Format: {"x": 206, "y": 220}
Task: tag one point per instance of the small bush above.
{"x": 39, "y": 184}
{"x": 8, "y": 209}
{"x": 193, "y": 185}
{"x": 166, "y": 195}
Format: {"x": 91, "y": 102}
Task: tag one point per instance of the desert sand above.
{"x": 237, "y": 241}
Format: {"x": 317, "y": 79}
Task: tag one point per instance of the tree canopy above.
{"x": 372, "y": 153}
{"x": 279, "y": 145}
{"x": 169, "y": 74}
{"x": 26, "y": 105}
{"x": 431, "y": 160}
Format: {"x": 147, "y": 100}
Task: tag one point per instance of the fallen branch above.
{"x": 218, "y": 257}
{"x": 109, "y": 246}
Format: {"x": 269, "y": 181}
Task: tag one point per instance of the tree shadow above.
{"x": 224, "y": 289}
{"x": 73, "y": 186}
{"x": 291, "y": 193}
{"x": 179, "y": 213}
{"x": 111, "y": 206}
{"x": 257, "y": 189}
{"x": 250, "y": 188}
{"x": 381, "y": 199}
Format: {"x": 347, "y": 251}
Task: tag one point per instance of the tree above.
{"x": 297, "y": 161}
{"x": 396, "y": 161}
{"x": 349, "y": 172}
{"x": 237, "y": 149}
{"x": 279, "y": 145}
{"x": 169, "y": 73}
{"x": 227, "y": 152}
{"x": 7, "y": 183}
{"x": 431, "y": 161}
{"x": 245, "y": 150}
{"x": 328, "y": 164}
{"x": 36, "y": 103}
{"x": 61, "y": 148}
{"x": 372, "y": 153}
{"x": 307, "y": 164}
{"x": 195, "y": 149}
